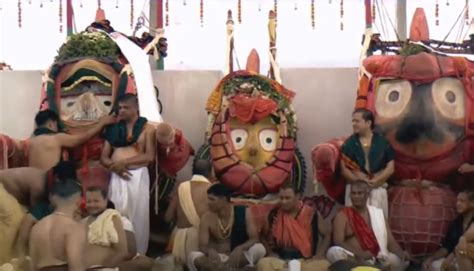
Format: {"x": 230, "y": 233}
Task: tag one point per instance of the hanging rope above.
{"x": 390, "y": 20}
{"x": 382, "y": 23}
{"x": 452, "y": 27}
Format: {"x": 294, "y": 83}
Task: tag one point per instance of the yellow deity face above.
{"x": 254, "y": 143}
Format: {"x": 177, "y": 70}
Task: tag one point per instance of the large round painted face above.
{"x": 421, "y": 120}
{"x": 256, "y": 143}
{"x": 87, "y": 101}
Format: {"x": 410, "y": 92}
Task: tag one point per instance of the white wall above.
{"x": 324, "y": 102}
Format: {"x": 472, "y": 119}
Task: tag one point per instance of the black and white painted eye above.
{"x": 268, "y": 139}
{"x": 107, "y": 103}
{"x": 449, "y": 98}
{"x": 239, "y": 138}
{"x": 69, "y": 104}
{"x": 392, "y": 97}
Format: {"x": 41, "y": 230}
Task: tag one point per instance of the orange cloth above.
{"x": 251, "y": 109}
{"x": 295, "y": 232}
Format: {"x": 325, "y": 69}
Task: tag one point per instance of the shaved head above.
{"x": 165, "y": 133}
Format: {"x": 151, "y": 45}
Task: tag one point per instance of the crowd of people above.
{"x": 48, "y": 221}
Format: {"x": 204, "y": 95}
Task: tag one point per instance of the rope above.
{"x": 460, "y": 32}
{"x": 236, "y": 58}
{"x": 390, "y": 20}
{"x": 452, "y": 27}
{"x": 384, "y": 32}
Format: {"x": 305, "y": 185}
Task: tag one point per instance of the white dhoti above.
{"x": 253, "y": 255}
{"x": 131, "y": 198}
{"x": 378, "y": 198}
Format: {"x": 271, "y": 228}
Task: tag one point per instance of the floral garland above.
{"x": 256, "y": 85}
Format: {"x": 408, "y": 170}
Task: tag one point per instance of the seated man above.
{"x": 21, "y": 189}
{"x": 367, "y": 156}
{"x": 362, "y": 233}
{"x": 444, "y": 258}
{"x": 45, "y": 148}
{"x": 40, "y": 197}
{"x": 129, "y": 149}
{"x": 294, "y": 229}
{"x": 187, "y": 207}
{"x": 14, "y": 188}
{"x": 227, "y": 235}
{"x": 111, "y": 241}
{"x": 464, "y": 251}
{"x": 57, "y": 242}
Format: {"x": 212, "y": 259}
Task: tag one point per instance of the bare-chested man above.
{"x": 187, "y": 207}
{"x": 45, "y": 148}
{"x": 128, "y": 150}
{"x": 57, "y": 242}
{"x": 22, "y": 189}
{"x": 227, "y": 235}
{"x": 101, "y": 249}
{"x": 361, "y": 233}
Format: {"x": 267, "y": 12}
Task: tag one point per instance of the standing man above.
{"x": 227, "y": 235}
{"x": 294, "y": 229}
{"x": 187, "y": 207}
{"x": 129, "y": 149}
{"x": 367, "y": 156}
{"x": 45, "y": 148}
{"x": 57, "y": 241}
{"x": 361, "y": 233}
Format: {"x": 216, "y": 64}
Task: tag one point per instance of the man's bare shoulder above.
{"x": 39, "y": 227}
{"x": 149, "y": 129}
{"x": 76, "y": 227}
{"x": 207, "y": 217}
{"x": 340, "y": 217}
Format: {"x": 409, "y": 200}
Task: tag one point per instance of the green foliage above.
{"x": 85, "y": 44}
{"x": 412, "y": 49}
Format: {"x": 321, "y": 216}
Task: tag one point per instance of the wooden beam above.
{"x": 402, "y": 19}
{"x": 156, "y": 22}
{"x": 69, "y": 17}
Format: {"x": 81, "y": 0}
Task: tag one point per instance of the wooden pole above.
{"x": 402, "y": 19}
{"x": 368, "y": 14}
{"x": 273, "y": 38}
{"x": 69, "y": 17}
{"x": 156, "y": 22}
